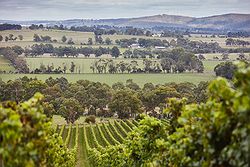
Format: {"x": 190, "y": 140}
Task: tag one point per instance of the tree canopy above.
{"x": 27, "y": 138}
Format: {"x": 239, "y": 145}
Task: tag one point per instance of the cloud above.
{"x": 62, "y": 9}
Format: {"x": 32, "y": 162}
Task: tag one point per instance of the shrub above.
{"x": 90, "y": 119}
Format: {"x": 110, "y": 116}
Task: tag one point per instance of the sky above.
{"x": 101, "y": 9}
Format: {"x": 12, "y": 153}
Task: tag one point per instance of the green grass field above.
{"x": 110, "y": 79}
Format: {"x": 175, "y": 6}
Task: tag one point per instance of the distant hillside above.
{"x": 234, "y": 22}
{"x": 227, "y": 21}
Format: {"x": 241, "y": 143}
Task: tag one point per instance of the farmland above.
{"x": 82, "y": 37}
{"x": 153, "y": 91}
{"x": 110, "y": 79}
{"x": 86, "y": 73}
{"x": 99, "y": 135}
{"x": 83, "y": 64}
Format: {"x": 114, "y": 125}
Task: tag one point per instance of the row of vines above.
{"x": 83, "y": 138}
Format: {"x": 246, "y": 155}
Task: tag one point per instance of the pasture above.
{"x": 82, "y": 37}
{"x": 231, "y": 56}
{"x": 86, "y": 73}
{"x": 110, "y": 79}
{"x": 84, "y": 137}
{"x": 219, "y": 40}
{"x": 83, "y": 64}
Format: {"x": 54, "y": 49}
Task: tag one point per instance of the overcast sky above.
{"x": 71, "y": 9}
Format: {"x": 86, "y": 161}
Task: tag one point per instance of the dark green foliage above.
{"x": 90, "y": 119}
{"x": 71, "y": 100}
{"x": 215, "y": 133}
{"x": 125, "y": 104}
{"x": 115, "y": 52}
{"x": 225, "y": 69}
{"x": 27, "y": 138}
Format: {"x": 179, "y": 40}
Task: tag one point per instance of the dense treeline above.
{"x": 40, "y": 49}
{"x": 214, "y": 133}
{"x": 236, "y": 42}
{"x": 175, "y": 61}
{"x": 10, "y": 27}
{"x": 100, "y": 29}
{"x": 238, "y": 34}
{"x": 61, "y": 51}
{"x": 11, "y": 37}
{"x": 72, "y": 100}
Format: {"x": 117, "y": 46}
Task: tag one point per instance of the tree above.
{"x": 125, "y": 104}
{"x": 200, "y": 92}
{"x": 14, "y": 91}
{"x": 118, "y": 86}
{"x": 166, "y": 64}
{"x": 27, "y": 138}
{"x": 70, "y": 109}
{"x": 127, "y": 54}
{"x": 6, "y": 39}
{"x": 201, "y": 57}
{"x": 70, "y": 41}
{"x": 90, "y": 41}
{"x": 20, "y": 37}
{"x": 115, "y": 52}
{"x": 225, "y": 56}
{"x": 90, "y": 119}
{"x": 225, "y": 69}
{"x": 64, "y": 39}
{"x": 72, "y": 67}
{"x": 98, "y": 39}
{"x": 148, "y": 33}
{"x": 32, "y": 87}
{"x": 108, "y": 41}
{"x": 36, "y": 38}
{"x": 131, "y": 85}
{"x": 157, "y": 97}
{"x": 46, "y": 38}
{"x": 11, "y": 37}
{"x": 242, "y": 56}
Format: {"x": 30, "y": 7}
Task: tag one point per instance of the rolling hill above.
{"x": 233, "y": 22}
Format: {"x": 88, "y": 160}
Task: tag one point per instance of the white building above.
{"x": 135, "y": 45}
